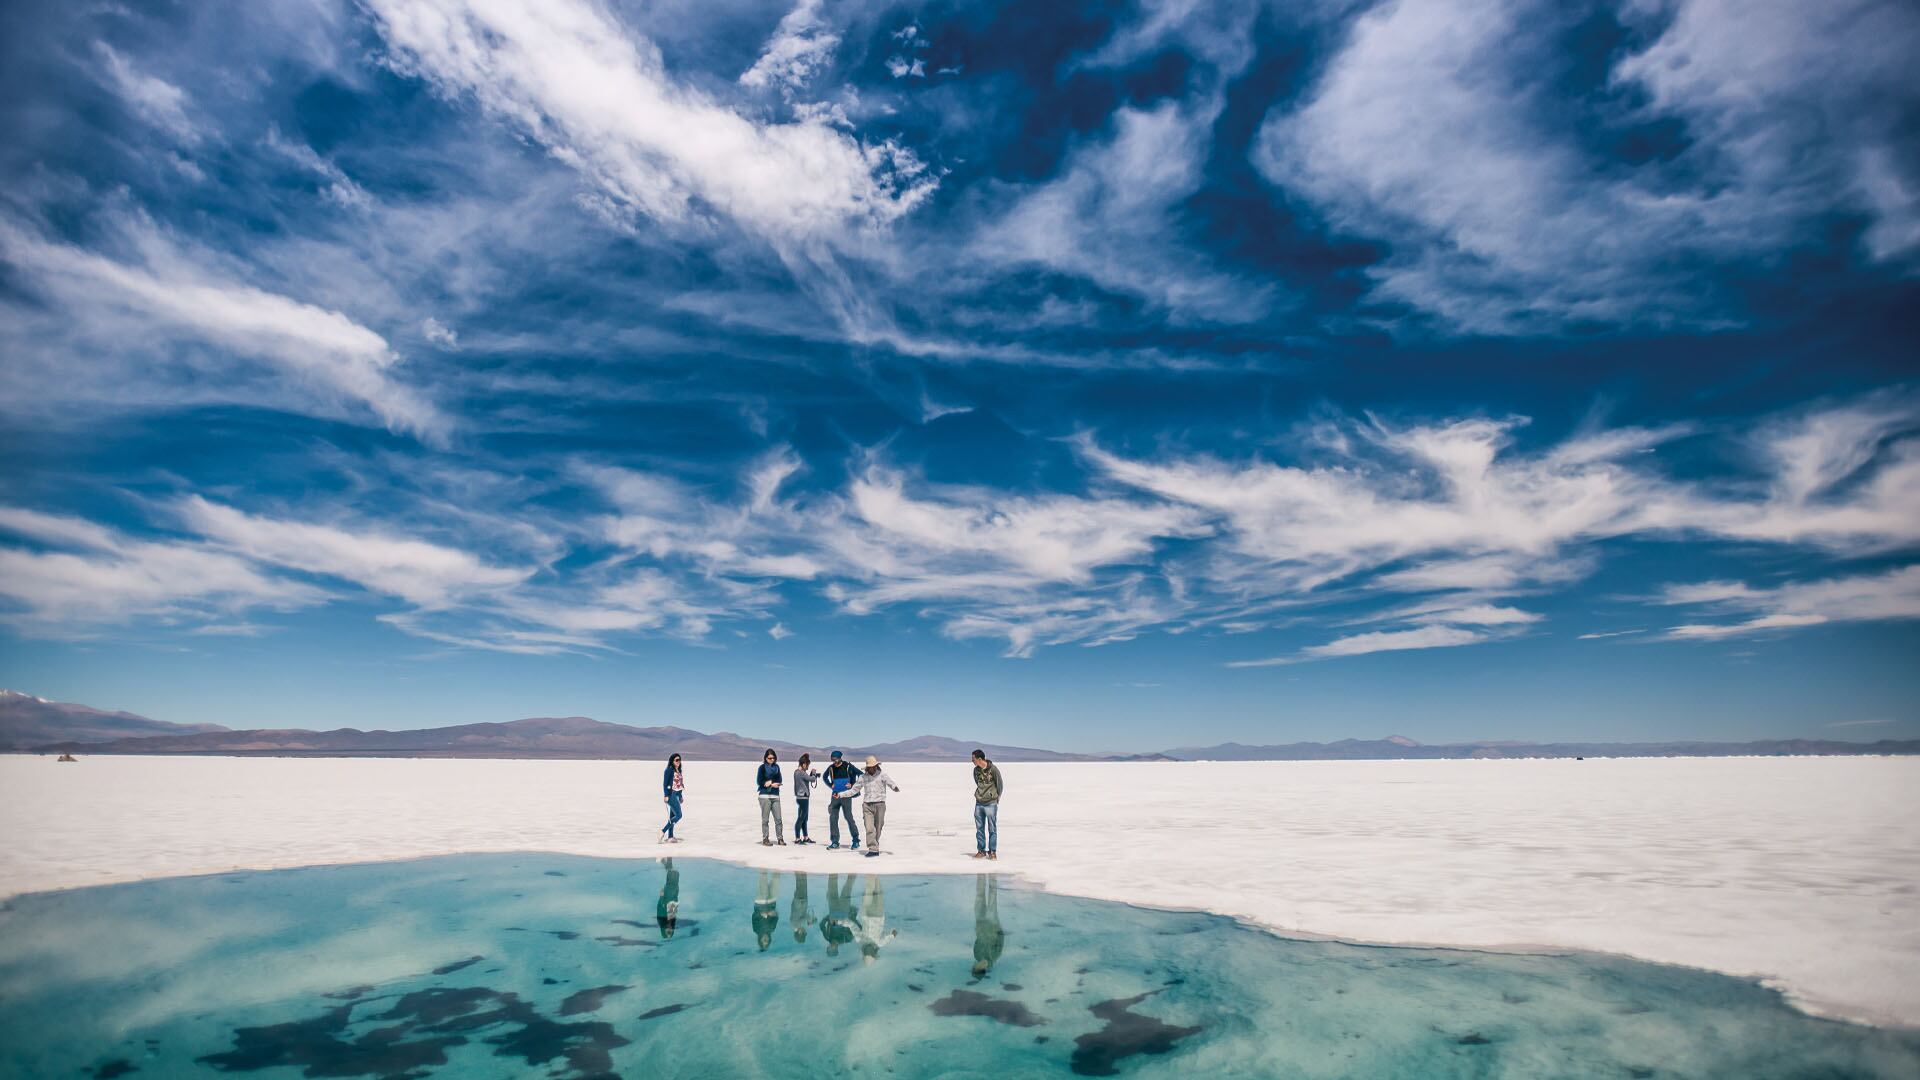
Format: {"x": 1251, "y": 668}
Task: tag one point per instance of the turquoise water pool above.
{"x": 536, "y": 965}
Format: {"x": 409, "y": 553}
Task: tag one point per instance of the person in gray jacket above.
{"x": 803, "y": 777}
{"x": 873, "y": 786}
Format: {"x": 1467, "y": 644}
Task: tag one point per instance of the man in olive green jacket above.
{"x": 987, "y": 786}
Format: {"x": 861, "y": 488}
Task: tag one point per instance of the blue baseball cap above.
{"x": 836, "y": 753}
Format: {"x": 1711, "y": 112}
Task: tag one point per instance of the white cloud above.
{"x": 599, "y": 98}
{"x": 1108, "y": 216}
{"x": 1429, "y": 129}
{"x": 800, "y": 47}
{"x": 337, "y": 186}
{"x": 1478, "y": 615}
{"x": 85, "y": 576}
{"x": 1026, "y": 570}
{"x": 424, "y": 574}
{"x": 1892, "y": 595}
{"x": 439, "y": 334}
{"x": 157, "y": 101}
{"x": 172, "y": 297}
{"x": 1808, "y": 103}
{"x": 1423, "y": 637}
{"x": 1844, "y": 477}
{"x": 1391, "y": 494}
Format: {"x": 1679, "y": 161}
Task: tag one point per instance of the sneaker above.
{"x": 782, "y": 843}
{"x": 978, "y": 855}
{"x": 766, "y": 843}
{"x": 993, "y": 855}
{"x": 873, "y": 854}
{"x": 833, "y": 847}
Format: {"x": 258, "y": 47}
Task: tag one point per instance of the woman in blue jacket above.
{"x": 768, "y": 783}
{"x": 672, "y": 788}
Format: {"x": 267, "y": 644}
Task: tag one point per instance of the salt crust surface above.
{"x": 1803, "y": 872}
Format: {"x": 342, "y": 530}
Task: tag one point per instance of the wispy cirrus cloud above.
{"x": 800, "y": 47}
{"x": 165, "y": 306}
{"x": 1891, "y": 595}
{"x": 1408, "y": 536}
{"x": 599, "y": 97}
{"x": 68, "y": 577}
{"x": 419, "y": 572}
{"x": 153, "y": 99}
{"x": 1422, "y": 637}
{"x": 1439, "y": 127}
{"x": 1109, "y": 217}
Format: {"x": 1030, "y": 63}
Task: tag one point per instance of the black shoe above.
{"x": 782, "y": 843}
{"x": 766, "y": 843}
{"x": 873, "y": 854}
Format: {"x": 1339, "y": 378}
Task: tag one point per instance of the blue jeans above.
{"x": 835, "y": 810}
{"x": 986, "y": 826}
{"x": 800, "y": 818}
{"x": 673, "y": 811}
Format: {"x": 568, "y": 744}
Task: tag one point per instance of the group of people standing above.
{"x": 843, "y": 783}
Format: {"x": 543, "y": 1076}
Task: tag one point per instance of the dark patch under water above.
{"x": 416, "y": 1033}
{"x": 1127, "y": 1033}
{"x": 583, "y": 1001}
{"x": 968, "y": 1003}
{"x": 898, "y": 966}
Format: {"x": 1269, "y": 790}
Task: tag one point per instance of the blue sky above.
{"x": 1099, "y": 375}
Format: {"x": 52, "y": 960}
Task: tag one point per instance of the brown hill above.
{"x": 27, "y": 721}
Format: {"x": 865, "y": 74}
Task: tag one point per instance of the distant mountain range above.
{"x": 1399, "y": 747}
{"x": 27, "y": 721}
{"x": 34, "y": 724}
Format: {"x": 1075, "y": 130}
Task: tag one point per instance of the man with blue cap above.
{"x": 839, "y": 779}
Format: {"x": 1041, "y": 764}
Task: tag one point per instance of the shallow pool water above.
{"x": 533, "y": 965}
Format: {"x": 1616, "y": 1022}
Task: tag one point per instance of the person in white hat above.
{"x": 874, "y": 785}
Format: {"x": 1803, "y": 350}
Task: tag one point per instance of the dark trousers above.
{"x": 839, "y": 808}
{"x": 800, "y": 818}
{"x": 673, "y": 812}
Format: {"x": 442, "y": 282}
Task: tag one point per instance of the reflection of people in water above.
{"x": 668, "y": 913}
{"x": 988, "y": 939}
{"x": 837, "y": 928}
{"x": 798, "y": 914}
{"x": 872, "y": 926}
{"x": 766, "y": 908}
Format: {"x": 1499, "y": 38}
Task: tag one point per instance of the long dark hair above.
{"x": 769, "y": 754}
{"x": 673, "y": 761}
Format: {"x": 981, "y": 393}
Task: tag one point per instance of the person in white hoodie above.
{"x": 873, "y": 786}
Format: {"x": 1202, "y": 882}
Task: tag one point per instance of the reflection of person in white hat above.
{"x": 873, "y": 785}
